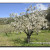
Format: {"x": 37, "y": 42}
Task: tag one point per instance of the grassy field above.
{"x": 14, "y": 39}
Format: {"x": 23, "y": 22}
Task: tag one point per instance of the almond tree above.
{"x": 6, "y": 29}
{"x": 30, "y": 22}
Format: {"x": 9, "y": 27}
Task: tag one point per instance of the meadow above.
{"x": 18, "y": 39}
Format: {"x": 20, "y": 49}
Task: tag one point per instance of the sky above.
{"x": 7, "y": 8}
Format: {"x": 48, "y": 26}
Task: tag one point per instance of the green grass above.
{"x": 15, "y": 39}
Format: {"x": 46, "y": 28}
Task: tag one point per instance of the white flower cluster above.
{"x": 33, "y": 21}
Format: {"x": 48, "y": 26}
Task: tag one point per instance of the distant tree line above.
{"x": 6, "y": 20}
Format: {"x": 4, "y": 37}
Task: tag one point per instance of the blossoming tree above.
{"x": 32, "y": 20}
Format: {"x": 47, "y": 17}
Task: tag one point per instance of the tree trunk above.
{"x": 28, "y": 38}
{"x": 37, "y": 33}
{"x": 6, "y": 33}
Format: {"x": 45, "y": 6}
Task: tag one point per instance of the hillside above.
{"x": 10, "y": 19}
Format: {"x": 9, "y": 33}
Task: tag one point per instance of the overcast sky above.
{"x": 7, "y": 8}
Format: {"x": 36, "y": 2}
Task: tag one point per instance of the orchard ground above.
{"x": 18, "y": 39}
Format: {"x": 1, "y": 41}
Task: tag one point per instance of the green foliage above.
{"x": 48, "y": 15}
{"x": 4, "y": 21}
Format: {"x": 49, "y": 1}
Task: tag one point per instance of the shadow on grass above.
{"x": 45, "y": 31}
{"x": 19, "y": 41}
{"x": 22, "y": 42}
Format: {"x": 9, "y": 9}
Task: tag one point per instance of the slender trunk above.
{"x": 28, "y": 38}
{"x": 6, "y": 33}
{"x": 37, "y": 33}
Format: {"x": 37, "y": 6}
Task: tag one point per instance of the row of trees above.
{"x": 6, "y": 29}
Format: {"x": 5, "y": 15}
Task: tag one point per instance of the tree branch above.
{"x": 25, "y": 31}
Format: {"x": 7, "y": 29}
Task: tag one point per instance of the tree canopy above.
{"x": 32, "y": 20}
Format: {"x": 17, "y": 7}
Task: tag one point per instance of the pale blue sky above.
{"x": 7, "y": 8}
